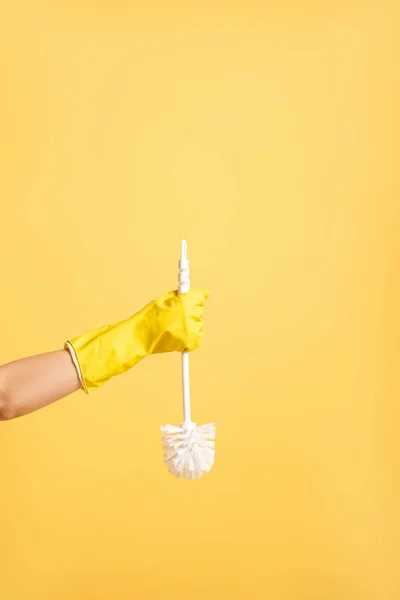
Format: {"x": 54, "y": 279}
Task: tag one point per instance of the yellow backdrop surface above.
{"x": 267, "y": 135}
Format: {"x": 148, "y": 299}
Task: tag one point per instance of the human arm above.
{"x": 168, "y": 323}
{"x": 36, "y": 381}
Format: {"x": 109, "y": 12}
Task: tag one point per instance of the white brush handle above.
{"x": 183, "y": 287}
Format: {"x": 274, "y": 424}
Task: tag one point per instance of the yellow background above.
{"x": 267, "y": 135}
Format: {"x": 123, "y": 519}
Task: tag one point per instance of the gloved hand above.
{"x": 170, "y": 323}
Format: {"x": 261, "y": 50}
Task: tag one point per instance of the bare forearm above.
{"x": 34, "y": 382}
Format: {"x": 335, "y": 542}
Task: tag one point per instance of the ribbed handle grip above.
{"x": 184, "y": 271}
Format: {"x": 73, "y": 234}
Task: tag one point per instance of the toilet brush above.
{"x": 188, "y": 448}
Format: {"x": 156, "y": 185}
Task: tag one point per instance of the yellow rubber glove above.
{"x": 169, "y": 323}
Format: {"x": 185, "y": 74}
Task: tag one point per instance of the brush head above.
{"x": 188, "y": 449}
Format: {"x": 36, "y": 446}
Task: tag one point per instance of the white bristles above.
{"x": 188, "y": 450}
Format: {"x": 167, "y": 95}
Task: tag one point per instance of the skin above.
{"x": 34, "y": 382}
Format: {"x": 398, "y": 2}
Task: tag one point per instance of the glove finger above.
{"x": 197, "y": 341}
{"x": 200, "y": 295}
{"x": 197, "y": 313}
{"x": 196, "y": 337}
